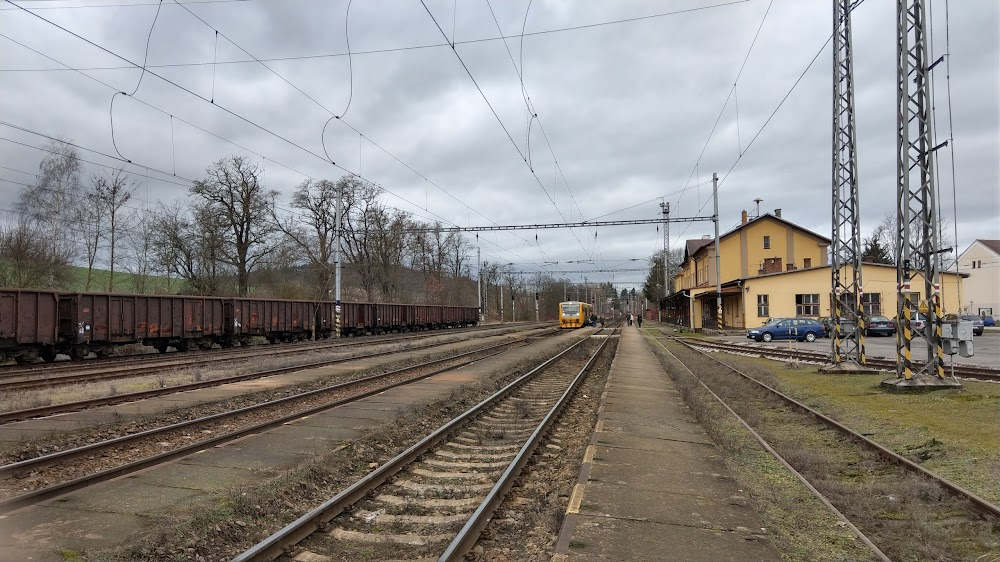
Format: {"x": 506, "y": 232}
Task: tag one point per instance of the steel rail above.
{"x": 965, "y": 371}
{"x": 473, "y": 528}
{"x": 41, "y": 494}
{"x": 881, "y": 450}
{"x": 40, "y": 411}
{"x": 296, "y": 531}
{"x": 767, "y": 447}
{"x": 111, "y": 370}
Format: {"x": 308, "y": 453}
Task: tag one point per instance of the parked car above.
{"x": 801, "y": 329}
{"x": 978, "y": 325}
{"x": 988, "y": 321}
{"x": 827, "y": 323}
{"x": 880, "y": 326}
{"x": 917, "y": 321}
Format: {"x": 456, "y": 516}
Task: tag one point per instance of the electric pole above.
{"x": 338, "y": 221}
{"x": 718, "y": 262}
{"x": 917, "y": 225}
{"x": 847, "y": 310}
{"x": 479, "y": 278}
{"x": 666, "y": 253}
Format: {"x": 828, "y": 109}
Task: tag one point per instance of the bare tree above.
{"x": 313, "y": 229}
{"x": 192, "y": 246}
{"x": 140, "y": 259}
{"x": 374, "y": 238}
{"x": 888, "y": 237}
{"x": 88, "y": 226}
{"x": 113, "y": 191}
{"x": 50, "y": 202}
{"x": 233, "y": 193}
{"x": 491, "y": 277}
{"x": 29, "y": 260}
{"x": 100, "y": 217}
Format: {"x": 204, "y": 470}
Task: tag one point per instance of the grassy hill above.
{"x": 124, "y": 282}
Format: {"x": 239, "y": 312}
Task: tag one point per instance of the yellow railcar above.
{"x": 575, "y": 314}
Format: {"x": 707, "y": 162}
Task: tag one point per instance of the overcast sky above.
{"x": 626, "y": 108}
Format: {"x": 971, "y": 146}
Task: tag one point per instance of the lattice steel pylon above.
{"x": 917, "y": 237}
{"x": 846, "y": 308}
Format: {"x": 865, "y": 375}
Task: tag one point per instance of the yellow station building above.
{"x": 771, "y": 267}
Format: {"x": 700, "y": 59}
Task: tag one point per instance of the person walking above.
{"x": 638, "y": 320}
{"x": 629, "y": 320}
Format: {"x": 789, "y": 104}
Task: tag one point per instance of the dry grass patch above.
{"x": 951, "y": 432}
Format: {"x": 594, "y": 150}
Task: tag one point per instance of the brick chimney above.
{"x": 743, "y": 217}
{"x": 777, "y": 213}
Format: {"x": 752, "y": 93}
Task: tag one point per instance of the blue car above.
{"x": 801, "y": 329}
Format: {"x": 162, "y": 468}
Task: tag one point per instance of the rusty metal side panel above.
{"x": 121, "y": 318}
{"x": 194, "y": 318}
{"x": 28, "y": 317}
{"x": 350, "y": 314}
{"x": 249, "y": 317}
{"x": 214, "y": 316}
{"x": 323, "y": 316}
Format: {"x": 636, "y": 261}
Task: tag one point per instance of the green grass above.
{"x": 124, "y": 282}
{"x": 951, "y": 432}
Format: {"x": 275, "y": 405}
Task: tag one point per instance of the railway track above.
{"x": 877, "y": 492}
{"x": 47, "y": 374}
{"x": 439, "y": 494}
{"x": 39, "y": 411}
{"x": 57, "y": 473}
{"x": 963, "y": 371}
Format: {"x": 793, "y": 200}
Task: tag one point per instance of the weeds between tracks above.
{"x": 240, "y": 518}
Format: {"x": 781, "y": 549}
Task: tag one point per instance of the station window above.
{"x": 872, "y": 304}
{"x": 807, "y": 305}
{"x": 762, "y": 307}
{"x": 767, "y": 242}
{"x": 807, "y": 262}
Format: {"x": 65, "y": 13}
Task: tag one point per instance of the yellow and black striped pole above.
{"x": 836, "y": 326}
{"x": 907, "y": 331}
{"x": 336, "y": 319}
{"x": 939, "y": 348}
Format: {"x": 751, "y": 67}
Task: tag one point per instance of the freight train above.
{"x": 41, "y": 324}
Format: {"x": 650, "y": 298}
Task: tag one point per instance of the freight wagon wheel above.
{"x": 162, "y": 348}
{"x": 48, "y": 355}
{"x": 26, "y": 359}
{"x": 103, "y": 353}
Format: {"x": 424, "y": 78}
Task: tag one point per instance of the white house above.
{"x": 981, "y": 291}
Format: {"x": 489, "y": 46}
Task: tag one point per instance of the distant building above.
{"x": 771, "y": 267}
{"x": 981, "y": 291}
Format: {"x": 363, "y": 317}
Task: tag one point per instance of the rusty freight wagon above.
{"x": 99, "y": 321}
{"x": 458, "y": 316}
{"x": 28, "y": 325}
{"x": 365, "y": 318}
{"x": 278, "y": 320}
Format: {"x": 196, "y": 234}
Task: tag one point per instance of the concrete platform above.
{"x": 110, "y": 513}
{"x": 653, "y": 485}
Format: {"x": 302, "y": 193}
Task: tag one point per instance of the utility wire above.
{"x": 120, "y": 5}
{"x": 333, "y": 115}
{"x": 725, "y": 104}
{"x": 397, "y": 49}
{"x": 223, "y": 108}
{"x": 770, "y": 117}
{"x": 504, "y": 127}
{"x": 147, "y": 176}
